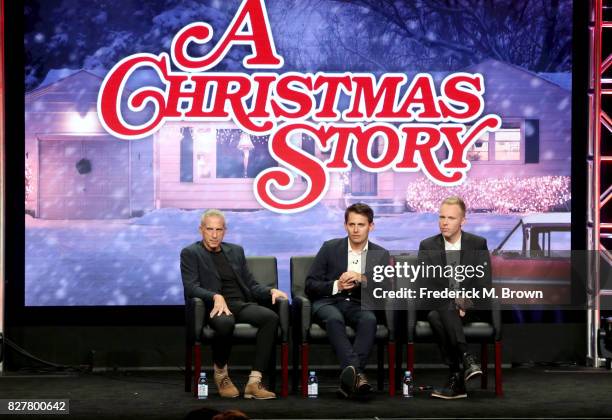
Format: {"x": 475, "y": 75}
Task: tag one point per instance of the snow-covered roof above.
{"x": 55, "y": 75}
{"x": 563, "y": 80}
{"x": 140, "y": 78}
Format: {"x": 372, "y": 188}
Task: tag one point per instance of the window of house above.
{"x": 508, "y": 143}
{"x": 186, "y": 154}
{"x": 480, "y": 150}
{"x": 204, "y": 163}
{"x": 517, "y": 141}
{"x": 241, "y": 155}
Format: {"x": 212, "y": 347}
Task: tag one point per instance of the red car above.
{"x": 532, "y": 264}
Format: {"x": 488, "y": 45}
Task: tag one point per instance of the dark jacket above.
{"x": 474, "y": 252}
{"x": 331, "y": 261}
{"x": 201, "y": 279}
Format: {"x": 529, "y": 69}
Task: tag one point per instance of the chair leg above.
{"x": 188, "y": 366}
{"x": 304, "y": 370}
{"x": 391, "y": 357}
{"x": 295, "y": 376}
{"x": 484, "y": 363}
{"x": 380, "y": 374}
{"x": 410, "y": 357}
{"x": 498, "y": 369}
{"x": 399, "y": 363}
{"x": 272, "y": 372}
{"x": 197, "y": 367}
{"x": 284, "y": 370}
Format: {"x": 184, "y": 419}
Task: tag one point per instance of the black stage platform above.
{"x": 529, "y": 392}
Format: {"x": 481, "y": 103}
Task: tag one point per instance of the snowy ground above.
{"x": 136, "y": 261}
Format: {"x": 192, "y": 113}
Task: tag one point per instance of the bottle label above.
{"x": 202, "y": 391}
{"x": 407, "y": 389}
{"x": 313, "y": 389}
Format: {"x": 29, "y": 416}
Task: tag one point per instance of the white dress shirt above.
{"x": 453, "y": 258}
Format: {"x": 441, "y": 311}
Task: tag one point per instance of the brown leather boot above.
{"x": 226, "y": 388}
{"x": 363, "y": 386}
{"x": 258, "y": 391}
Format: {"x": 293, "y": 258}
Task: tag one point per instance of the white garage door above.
{"x": 100, "y": 193}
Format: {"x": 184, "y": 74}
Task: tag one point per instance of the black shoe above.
{"x": 454, "y": 389}
{"x": 348, "y": 380}
{"x": 363, "y": 386}
{"x": 470, "y": 367}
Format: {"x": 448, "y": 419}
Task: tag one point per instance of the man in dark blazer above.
{"x": 454, "y": 249}
{"x": 334, "y": 282}
{"x": 217, "y": 272}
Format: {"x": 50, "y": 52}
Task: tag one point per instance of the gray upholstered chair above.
{"x": 306, "y": 332}
{"x": 484, "y": 333}
{"x": 264, "y": 270}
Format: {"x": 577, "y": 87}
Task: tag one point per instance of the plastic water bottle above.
{"x": 202, "y": 386}
{"x": 407, "y": 386}
{"x": 313, "y": 385}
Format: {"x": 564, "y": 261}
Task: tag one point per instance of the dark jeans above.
{"x": 261, "y": 317}
{"x": 447, "y": 327}
{"x": 333, "y": 319}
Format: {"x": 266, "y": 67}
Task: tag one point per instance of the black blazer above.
{"x": 331, "y": 261}
{"x": 201, "y": 279}
{"x": 474, "y": 251}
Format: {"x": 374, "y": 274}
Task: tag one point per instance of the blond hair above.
{"x": 455, "y": 200}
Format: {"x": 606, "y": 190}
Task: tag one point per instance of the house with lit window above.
{"x": 535, "y": 137}
{"x": 216, "y": 163}
{"x": 74, "y": 168}
{"x": 78, "y": 171}
{"x": 202, "y": 165}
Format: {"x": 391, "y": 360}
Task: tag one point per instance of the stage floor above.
{"x": 529, "y": 392}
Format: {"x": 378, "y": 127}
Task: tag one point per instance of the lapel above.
{"x": 369, "y": 258}
{"x": 464, "y": 247}
{"x": 343, "y": 255}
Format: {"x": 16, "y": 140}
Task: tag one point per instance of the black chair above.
{"x": 485, "y": 333}
{"x": 198, "y": 332}
{"x": 306, "y": 332}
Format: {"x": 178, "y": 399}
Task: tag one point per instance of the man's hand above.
{"x": 463, "y": 305}
{"x": 220, "y": 306}
{"x": 348, "y": 280}
{"x": 352, "y": 276}
{"x": 277, "y": 294}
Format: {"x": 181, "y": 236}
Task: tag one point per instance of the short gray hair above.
{"x": 212, "y": 213}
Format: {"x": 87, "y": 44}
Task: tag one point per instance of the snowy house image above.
{"x": 78, "y": 171}
{"x": 201, "y": 165}
{"x": 213, "y": 165}
{"x": 74, "y": 168}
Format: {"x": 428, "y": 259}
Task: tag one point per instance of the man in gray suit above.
{"x": 217, "y": 272}
{"x": 334, "y": 284}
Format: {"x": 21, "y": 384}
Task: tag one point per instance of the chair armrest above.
{"x": 302, "y": 313}
{"x": 194, "y": 319}
{"x": 282, "y": 309}
{"x": 390, "y": 315}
